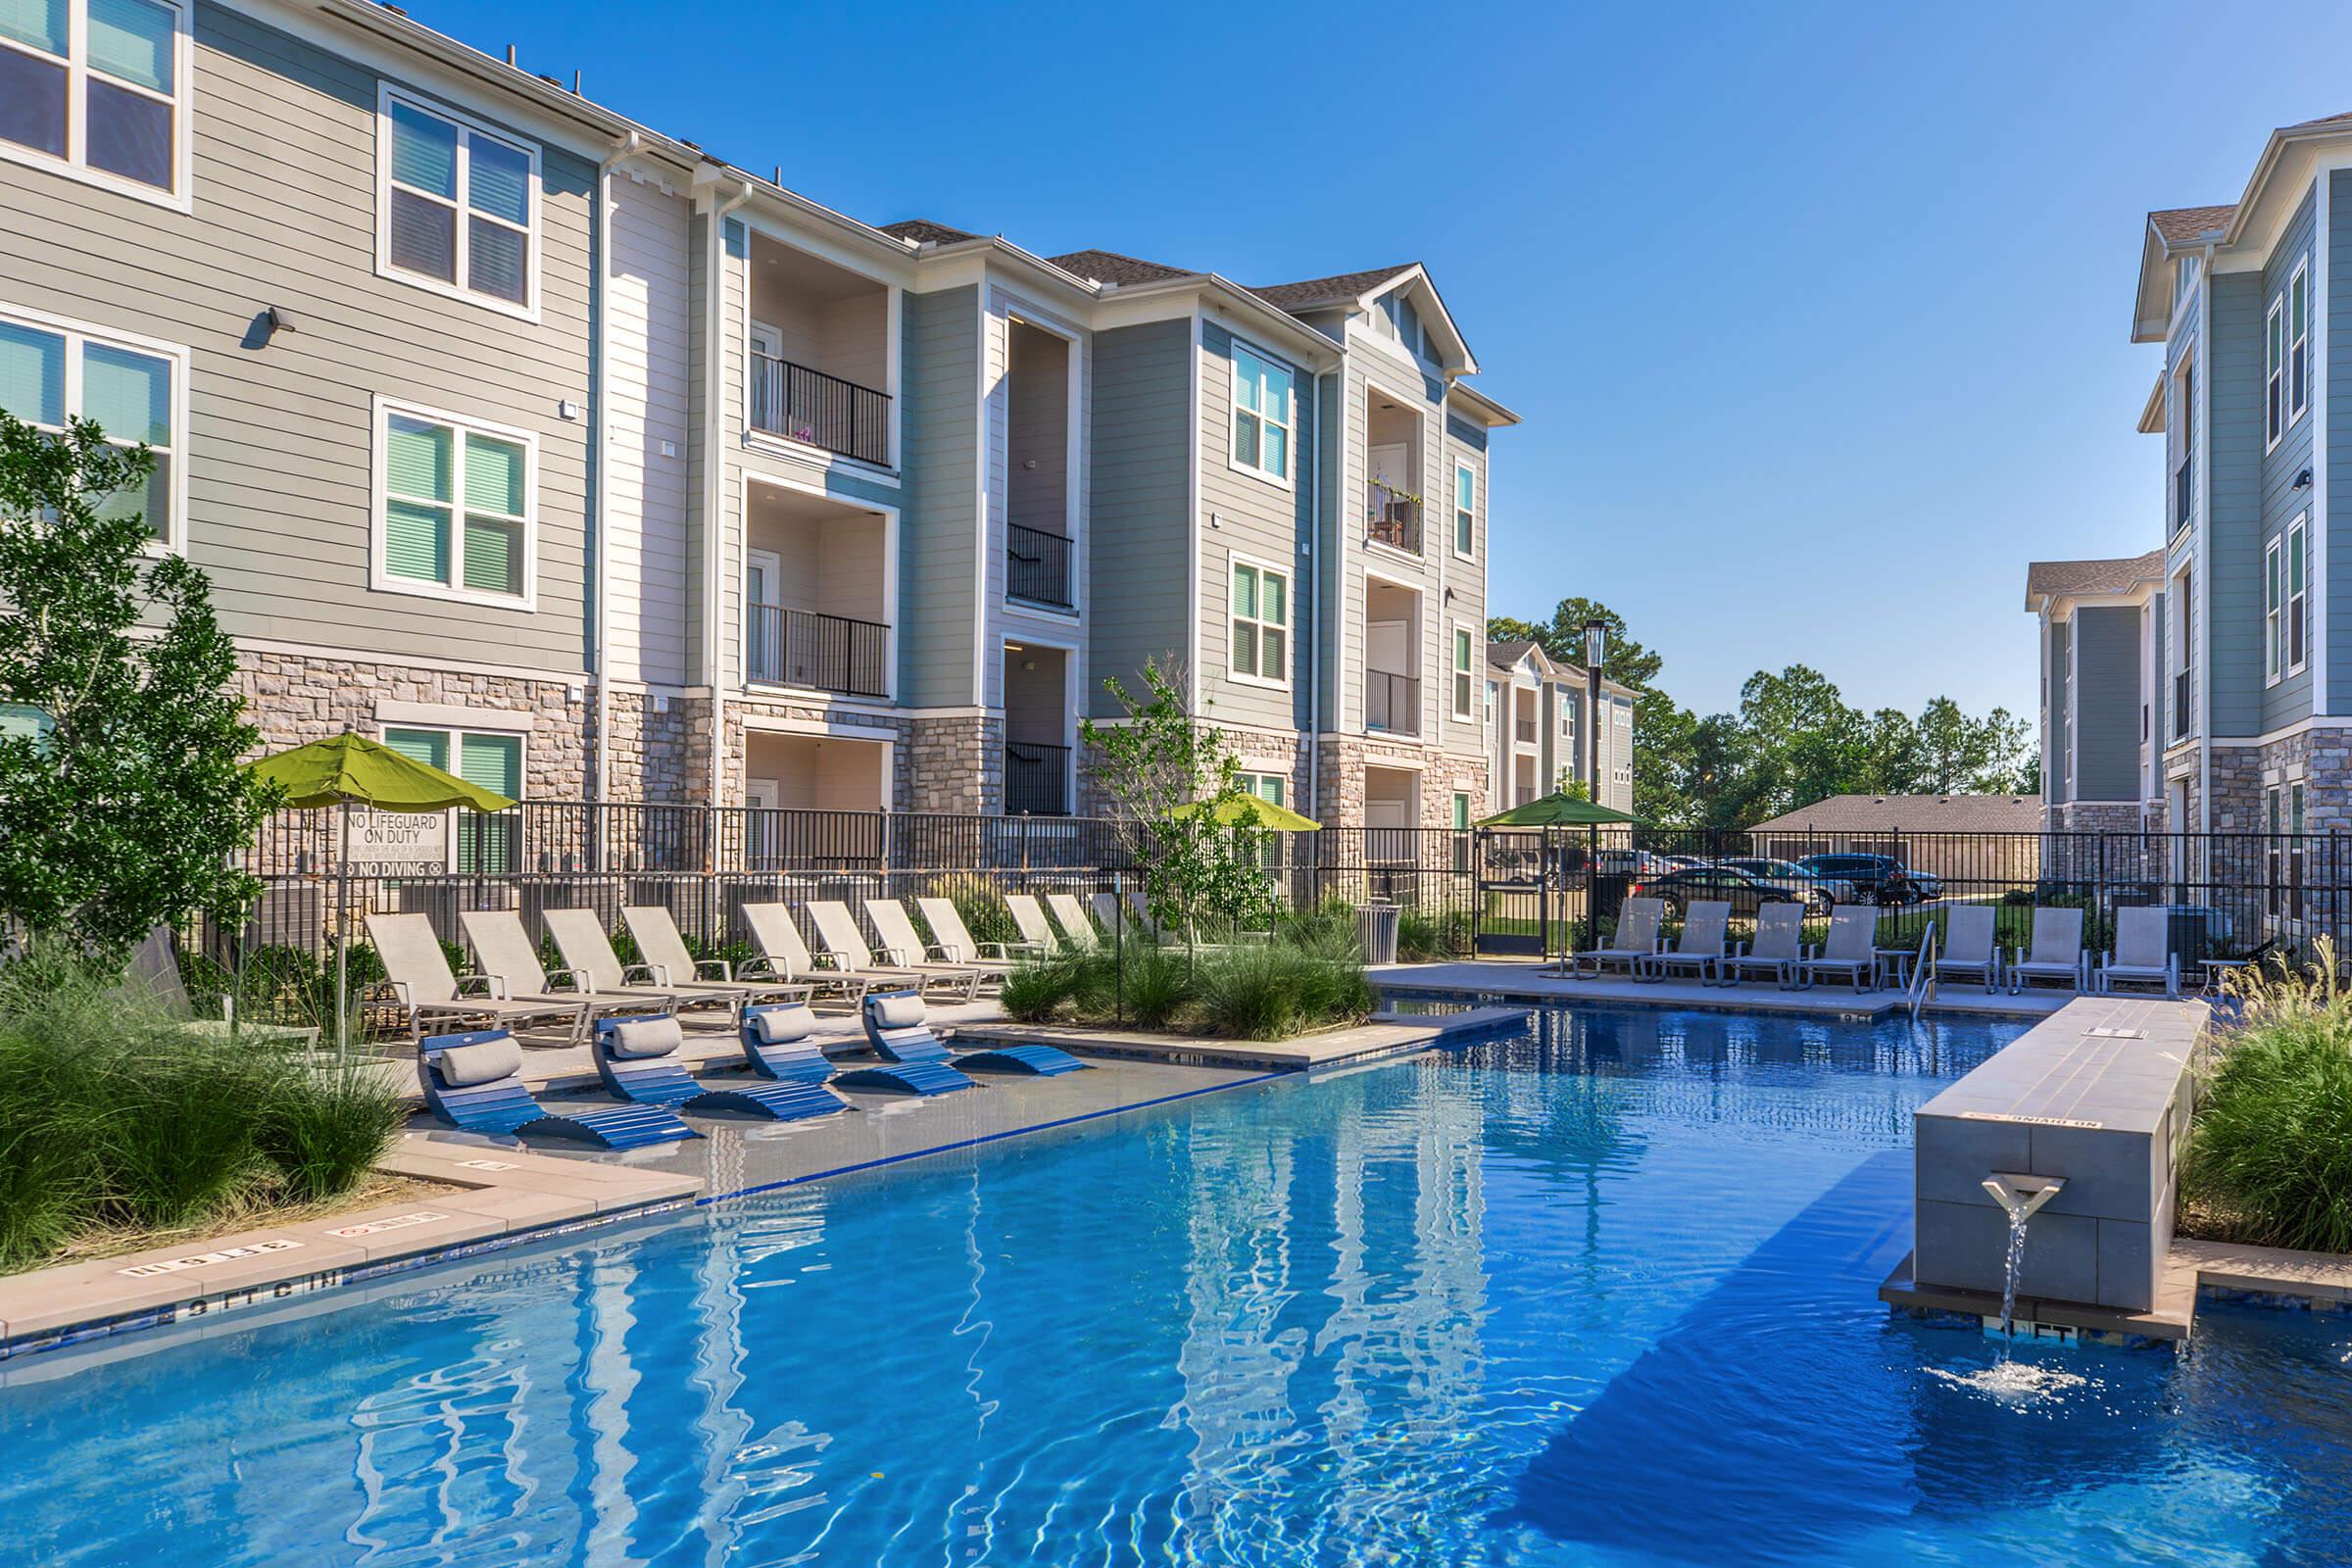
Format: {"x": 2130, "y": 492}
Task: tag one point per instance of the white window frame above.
{"x": 2297, "y": 600}
{"x": 1463, "y": 469}
{"x": 2181, "y": 727}
{"x": 2274, "y": 374}
{"x": 457, "y": 735}
{"x": 2298, "y": 346}
{"x": 175, "y": 540}
{"x": 179, "y": 198}
{"x": 466, "y": 126}
{"x": 1287, "y": 479}
{"x": 1287, "y": 625}
{"x": 380, "y": 576}
{"x": 2274, "y": 609}
{"x": 1462, "y": 667}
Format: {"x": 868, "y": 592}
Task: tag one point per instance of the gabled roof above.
{"x": 2177, "y": 225}
{"x": 2074, "y": 579}
{"x": 1911, "y": 813}
{"x": 923, "y": 231}
{"x": 1110, "y": 266}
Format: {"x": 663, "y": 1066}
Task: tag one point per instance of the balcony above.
{"x": 818, "y": 409}
{"x": 786, "y": 646}
{"x": 819, "y": 371}
{"x": 1035, "y": 686}
{"x": 2184, "y": 491}
{"x": 1037, "y": 778}
{"x": 1037, "y": 567}
{"x": 1392, "y": 702}
{"x": 1392, "y": 517}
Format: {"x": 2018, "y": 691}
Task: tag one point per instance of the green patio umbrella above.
{"x": 1557, "y": 809}
{"x": 1253, "y": 811}
{"x": 346, "y": 770}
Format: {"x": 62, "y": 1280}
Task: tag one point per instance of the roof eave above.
{"x": 1497, "y": 417}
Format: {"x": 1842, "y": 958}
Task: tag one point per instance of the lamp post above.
{"x": 1596, "y": 649}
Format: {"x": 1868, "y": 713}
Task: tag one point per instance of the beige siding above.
{"x": 1009, "y": 622}
{"x": 1245, "y": 515}
{"x": 280, "y": 439}
{"x": 646, "y": 348}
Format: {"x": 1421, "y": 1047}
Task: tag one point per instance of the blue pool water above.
{"x": 1596, "y": 1294}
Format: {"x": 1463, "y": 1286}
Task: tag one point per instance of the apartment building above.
{"x": 1539, "y": 714}
{"x": 2247, "y": 704}
{"x": 2101, "y": 643}
{"x": 552, "y": 449}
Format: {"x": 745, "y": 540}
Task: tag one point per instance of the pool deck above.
{"x": 1527, "y": 980}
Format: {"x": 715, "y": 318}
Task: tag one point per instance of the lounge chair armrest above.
{"x": 400, "y": 993}
{"x": 831, "y": 958}
{"x": 897, "y": 956}
{"x": 558, "y": 979}
{"x": 760, "y": 968}
{"x": 944, "y": 952}
{"x": 727, "y": 970}
{"x": 656, "y": 974}
{"x": 495, "y": 984}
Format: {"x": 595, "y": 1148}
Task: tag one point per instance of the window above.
{"x": 1490, "y": 709}
{"x": 2274, "y": 609}
{"x": 1261, "y": 413}
{"x": 2184, "y": 276}
{"x": 2183, "y": 627}
{"x": 485, "y": 843}
{"x": 1461, "y": 673}
{"x": 2296, "y": 571}
{"x": 95, "y": 88}
{"x": 1272, "y": 788}
{"x": 52, "y": 370}
{"x": 1461, "y": 810}
{"x": 2183, "y": 425}
{"x": 1465, "y": 508}
{"x": 2298, "y": 342}
{"x": 2274, "y": 375}
{"x": 455, "y": 505}
{"x": 458, "y": 210}
{"x": 1261, "y": 620}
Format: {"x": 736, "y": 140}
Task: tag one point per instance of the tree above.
{"x": 2011, "y": 767}
{"x": 1160, "y": 759}
{"x": 120, "y": 799}
{"x": 1892, "y": 765}
{"x": 1954, "y": 749}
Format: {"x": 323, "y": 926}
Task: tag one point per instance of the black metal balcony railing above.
{"x": 1392, "y": 702}
{"x": 824, "y": 411}
{"x": 2180, "y": 705}
{"x": 1037, "y": 779}
{"x": 830, "y": 653}
{"x": 1392, "y": 517}
{"x": 1036, "y": 565}
{"x": 2184, "y": 490}
{"x": 1527, "y": 730}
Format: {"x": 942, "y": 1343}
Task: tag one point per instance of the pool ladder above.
{"x": 1922, "y": 985}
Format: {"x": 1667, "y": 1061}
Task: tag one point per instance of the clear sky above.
{"x": 1817, "y": 314}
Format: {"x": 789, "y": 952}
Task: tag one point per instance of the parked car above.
{"x": 1630, "y": 863}
{"x": 1876, "y": 878}
{"x": 1678, "y": 889}
{"x": 1794, "y": 878}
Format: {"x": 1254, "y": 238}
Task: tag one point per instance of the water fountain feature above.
{"x": 2020, "y": 1195}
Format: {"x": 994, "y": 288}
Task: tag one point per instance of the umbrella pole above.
{"x": 343, "y": 936}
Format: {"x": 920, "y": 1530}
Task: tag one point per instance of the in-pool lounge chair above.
{"x": 1701, "y": 946}
{"x": 1076, "y": 927}
{"x": 417, "y": 972}
{"x": 776, "y": 1044}
{"x": 1634, "y": 945}
{"x": 1776, "y": 950}
{"x": 1851, "y": 949}
{"x": 637, "y": 1061}
{"x": 660, "y": 944}
{"x": 581, "y": 937}
{"x": 956, "y": 939}
{"x": 2057, "y": 953}
{"x": 784, "y": 955}
{"x": 2143, "y": 953}
{"x": 841, "y": 943}
{"x": 508, "y": 954}
{"x": 897, "y": 1029}
{"x": 1971, "y": 947}
{"x": 904, "y": 947}
{"x": 474, "y": 1083}
{"x": 1029, "y": 918}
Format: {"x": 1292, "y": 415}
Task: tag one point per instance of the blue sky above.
{"x": 1817, "y": 314}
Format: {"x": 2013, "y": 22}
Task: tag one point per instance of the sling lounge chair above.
{"x": 842, "y": 945}
{"x": 1971, "y": 947}
{"x": 1776, "y": 949}
{"x": 1701, "y": 946}
{"x": 637, "y": 1061}
{"x": 1076, "y": 928}
{"x": 899, "y": 1032}
{"x": 784, "y": 955}
{"x": 474, "y": 1083}
{"x": 660, "y": 944}
{"x": 417, "y": 972}
{"x": 956, "y": 939}
{"x": 2057, "y": 953}
{"x": 2143, "y": 953}
{"x": 1029, "y": 918}
{"x": 581, "y": 937}
{"x": 904, "y": 947}
{"x": 508, "y": 954}
{"x": 1636, "y": 942}
{"x": 1851, "y": 949}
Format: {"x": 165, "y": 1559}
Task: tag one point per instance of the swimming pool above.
{"x": 1597, "y": 1294}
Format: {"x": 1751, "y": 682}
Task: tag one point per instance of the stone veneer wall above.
{"x": 661, "y": 747}
{"x": 1343, "y": 759}
{"x": 952, "y": 764}
{"x": 2320, "y": 759}
{"x": 885, "y": 728}
{"x": 297, "y": 698}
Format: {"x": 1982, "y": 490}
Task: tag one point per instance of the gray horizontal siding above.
{"x": 2232, "y": 625}
{"x": 2290, "y": 700}
{"x": 1140, "y": 526}
{"x": 1257, "y": 518}
{"x": 2337, "y": 393}
{"x": 2107, "y": 703}
{"x": 939, "y": 605}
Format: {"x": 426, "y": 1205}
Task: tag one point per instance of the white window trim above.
{"x": 2300, "y": 277}
{"x": 175, "y": 539}
{"x": 1288, "y": 478}
{"x": 386, "y": 96}
{"x": 1287, "y": 624}
{"x": 381, "y": 578}
{"x": 181, "y": 197}
{"x": 1460, "y": 678}
{"x": 2297, "y": 534}
{"x": 1454, "y": 519}
{"x": 2274, "y": 609}
{"x": 2273, "y": 326}
{"x": 457, "y": 732}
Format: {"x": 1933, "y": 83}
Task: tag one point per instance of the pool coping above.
{"x": 1386, "y": 1033}
{"x": 1471, "y": 980}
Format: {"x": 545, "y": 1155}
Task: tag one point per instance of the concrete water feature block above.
{"x": 2096, "y": 1095}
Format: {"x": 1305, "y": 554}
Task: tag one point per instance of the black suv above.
{"x": 1879, "y": 878}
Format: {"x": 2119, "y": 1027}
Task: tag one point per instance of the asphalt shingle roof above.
{"x": 2058, "y": 578}
{"x": 1110, "y": 266}
{"x": 923, "y": 231}
{"x": 1912, "y": 814}
{"x": 2179, "y": 224}
{"x": 1329, "y": 290}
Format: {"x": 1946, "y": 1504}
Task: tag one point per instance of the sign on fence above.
{"x": 398, "y": 842}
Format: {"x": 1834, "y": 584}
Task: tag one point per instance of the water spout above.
{"x": 2019, "y": 1197}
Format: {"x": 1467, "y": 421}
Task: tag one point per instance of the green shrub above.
{"x": 1034, "y": 993}
{"x": 324, "y": 1130}
{"x": 1426, "y": 936}
{"x": 1268, "y": 991}
{"x": 2270, "y": 1153}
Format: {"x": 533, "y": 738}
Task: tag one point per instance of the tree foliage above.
{"x": 120, "y": 798}
{"x": 1793, "y": 741}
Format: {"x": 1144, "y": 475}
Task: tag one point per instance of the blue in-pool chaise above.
{"x": 637, "y": 1059}
{"x": 896, "y": 1027}
{"x": 776, "y": 1044}
{"x": 473, "y": 1081}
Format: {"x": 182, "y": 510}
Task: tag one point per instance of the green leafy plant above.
{"x": 121, "y": 804}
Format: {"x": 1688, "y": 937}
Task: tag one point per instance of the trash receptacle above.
{"x": 1376, "y": 928}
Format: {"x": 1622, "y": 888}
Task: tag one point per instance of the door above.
{"x": 762, "y": 615}
{"x": 762, "y": 839}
